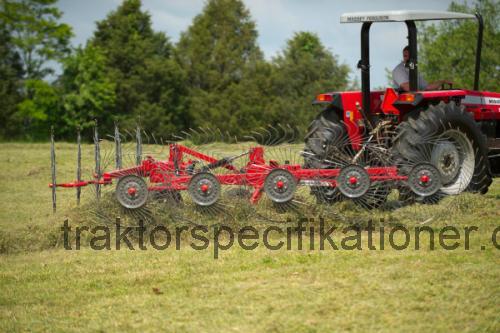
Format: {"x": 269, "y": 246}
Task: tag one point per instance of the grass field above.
{"x": 44, "y": 287}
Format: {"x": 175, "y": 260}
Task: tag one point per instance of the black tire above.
{"x": 494, "y": 163}
{"x": 446, "y": 120}
{"x": 325, "y": 132}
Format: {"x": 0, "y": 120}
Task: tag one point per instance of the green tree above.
{"x": 304, "y": 69}
{"x": 41, "y": 109}
{"x": 88, "y": 93}
{"x": 447, "y": 50}
{"x": 38, "y": 38}
{"x": 149, "y": 83}
{"x": 36, "y": 34}
{"x": 10, "y": 83}
{"x": 223, "y": 62}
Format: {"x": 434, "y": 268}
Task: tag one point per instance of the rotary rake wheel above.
{"x": 207, "y": 162}
{"x": 439, "y": 165}
{"x": 450, "y": 154}
{"x": 128, "y": 196}
{"x": 283, "y": 196}
{"x": 365, "y": 175}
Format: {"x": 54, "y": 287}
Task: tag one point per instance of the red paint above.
{"x": 383, "y": 103}
{"x": 163, "y": 173}
{"x": 353, "y": 180}
{"x": 132, "y": 191}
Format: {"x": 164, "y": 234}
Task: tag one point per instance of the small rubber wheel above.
{"x": 204, "y": 189}
{"x": 424, "y": 180}
{"x": 132, "y": 192}
{"x": 280, "y": 185}
{"x": 353, "y": 181}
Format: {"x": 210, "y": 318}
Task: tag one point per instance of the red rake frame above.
{"x": 175, "y": 173}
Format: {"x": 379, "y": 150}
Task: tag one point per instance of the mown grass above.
{"x": 46, "y": 288}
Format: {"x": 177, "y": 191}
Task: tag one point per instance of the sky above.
{"x": 277, "y": 21}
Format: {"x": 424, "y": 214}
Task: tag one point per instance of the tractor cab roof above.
{"x": 401, "y": 16}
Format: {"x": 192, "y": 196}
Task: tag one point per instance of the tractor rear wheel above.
{"x": 448, "y": 137}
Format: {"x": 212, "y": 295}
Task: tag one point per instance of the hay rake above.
{"x": 202, "y": 176}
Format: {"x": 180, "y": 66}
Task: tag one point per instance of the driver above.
{"x": 401, "y": 76}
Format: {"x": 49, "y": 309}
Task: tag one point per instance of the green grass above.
{"x": 46, "y": 288}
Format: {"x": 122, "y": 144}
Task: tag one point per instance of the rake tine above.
{"x": 78, "y": 164}
{"x": 97, "y": 156}
{"x": 138, "y": 148}
{"x": 147, "y": 137}
{"x": 53, "y": 167}
{"x": 118, "y": 148}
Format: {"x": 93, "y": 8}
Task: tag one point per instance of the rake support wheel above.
{"x": 280, "y": 186}
{"x": 353, "y": 181}
{"x": 204, "y": 189}
{"x": 424, "y": 180}
{"x": 132, "y": 192}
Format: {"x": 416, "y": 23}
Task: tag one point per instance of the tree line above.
{"x": 214, "y": 76}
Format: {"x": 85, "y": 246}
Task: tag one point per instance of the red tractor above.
{"x": 459, "y": 128}
{"x": 425, "y": 144}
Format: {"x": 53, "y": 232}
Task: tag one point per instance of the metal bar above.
{"x": 82, "y": 183}
{"x": 413, "y": 62}
{"x": 364, "y": 65}
{"x": 78, "y": 165}
{"x": 97, "y": 157}
{"x": 137, "y": 170}
{"x": 53, "y": 167}
{"x": 201, "y": 156}
{"x": 478, "y": 50}
{"x": 138, "y": 148}
{"x": 118, "y": 148}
